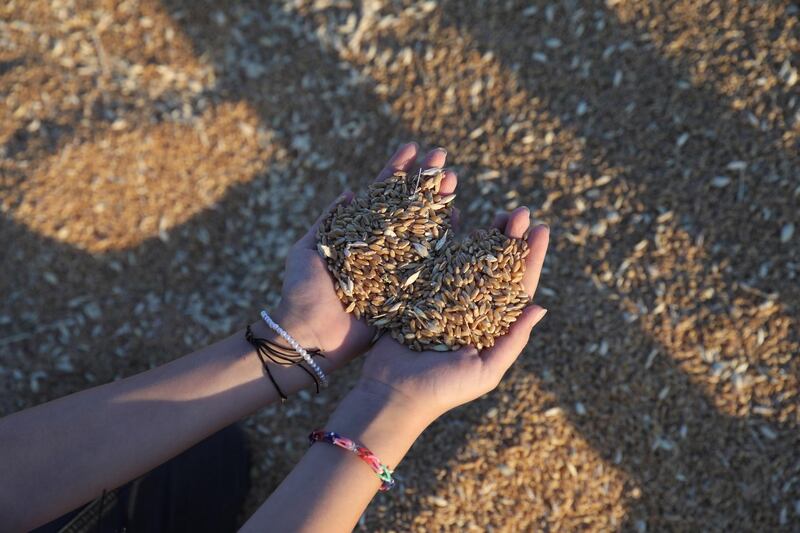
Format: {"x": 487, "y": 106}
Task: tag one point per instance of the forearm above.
{"x": 330, "y": 487}
{"x": 59, "y": 455}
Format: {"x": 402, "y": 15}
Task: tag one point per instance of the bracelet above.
{"x": 279, "y": 355}
{"x": 331, "y": 437}
{"x": 299, "y": 349}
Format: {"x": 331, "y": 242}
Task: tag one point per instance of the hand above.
{"x": 310, "y": 310}
{"x": 431, "y": 383}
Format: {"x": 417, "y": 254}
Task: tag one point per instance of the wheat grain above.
{"x": 397, "y": 265}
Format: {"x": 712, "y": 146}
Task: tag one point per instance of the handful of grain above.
{"x": 396, "y": 264}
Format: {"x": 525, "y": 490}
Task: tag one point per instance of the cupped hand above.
{"x": 310, "y": 310}
{"x": 431, "y": 383}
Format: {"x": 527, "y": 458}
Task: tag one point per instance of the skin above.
{"x": 87, "y": 436}
{"x": 399, "y": 394}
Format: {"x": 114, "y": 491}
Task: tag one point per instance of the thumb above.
{"x": 309, "y": 240}
{"x": 508, "y": 347}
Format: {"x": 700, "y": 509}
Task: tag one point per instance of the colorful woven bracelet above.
{"x": 331, "y": 437}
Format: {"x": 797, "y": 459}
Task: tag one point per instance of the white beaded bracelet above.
{"x": 299, "y": 349}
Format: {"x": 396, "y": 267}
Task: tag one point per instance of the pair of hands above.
{"x": 428, "y": 383}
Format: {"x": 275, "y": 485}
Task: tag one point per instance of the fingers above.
{"x": 402, "y": 159}
{"x": 518, "y": 222}
{"x": 508, "y": 347}
{"x": 538, "y": 239}
{"x": 500, "y": 221}
{"x": 309, "y": 240}
{"x": 515, "y": 225}
{"x": 434, "y": 159}
{"x": 448, "y": 184}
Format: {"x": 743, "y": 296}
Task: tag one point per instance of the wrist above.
{"x": 286, "y": 378}
{"x": 381, "y": 422}
{"x": 380, "y": 392}
{"x": 294, "y": 325}
{"x": 297, "y": 330}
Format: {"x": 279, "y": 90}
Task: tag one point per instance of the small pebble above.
{"x": 787, "y": 232}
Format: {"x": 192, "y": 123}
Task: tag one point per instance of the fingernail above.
{"x": 536, "y": 223}
{"x": 402, "y": 147}
{"x": 540, "y": 315}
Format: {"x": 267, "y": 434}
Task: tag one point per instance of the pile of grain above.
{"x": 396, "y": 264}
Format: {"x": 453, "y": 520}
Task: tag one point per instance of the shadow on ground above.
{"x": 724, "y": 473}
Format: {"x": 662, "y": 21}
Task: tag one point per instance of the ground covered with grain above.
{"x": 157, "y": 158}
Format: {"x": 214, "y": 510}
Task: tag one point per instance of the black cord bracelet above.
{"x": 280, "y": 355}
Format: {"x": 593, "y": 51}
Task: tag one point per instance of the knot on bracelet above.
{"x": 280, "y": 355}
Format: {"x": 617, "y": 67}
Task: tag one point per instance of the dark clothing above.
{"x": 200, "y": 490}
